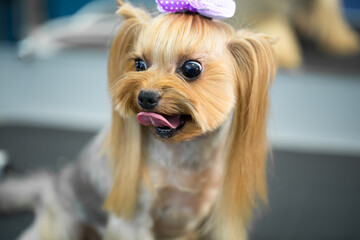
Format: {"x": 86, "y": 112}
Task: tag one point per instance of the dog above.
{"x": 185, "y": 154}
{"x": 318, "y": 21}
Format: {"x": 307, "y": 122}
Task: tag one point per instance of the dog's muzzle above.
{"x": 165, "y": 125}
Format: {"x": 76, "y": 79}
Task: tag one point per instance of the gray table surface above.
{"x": 311, "y": 196}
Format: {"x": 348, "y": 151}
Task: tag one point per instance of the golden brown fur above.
{"x": 238, "y": 70}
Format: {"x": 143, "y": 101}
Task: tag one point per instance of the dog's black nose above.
{"x": 148, "y": 99}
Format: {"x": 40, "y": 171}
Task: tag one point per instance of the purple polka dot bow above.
{"x": 209, "y": 8}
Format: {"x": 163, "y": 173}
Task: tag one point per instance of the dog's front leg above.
{"x": 120, "y": 229}
{"x": 137, "y": 228}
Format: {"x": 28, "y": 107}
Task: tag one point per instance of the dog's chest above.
{"x": 184, "y": 200}
{"x": 186, "y": 178}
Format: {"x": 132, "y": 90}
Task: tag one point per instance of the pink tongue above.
{"x": 157, "y": 120}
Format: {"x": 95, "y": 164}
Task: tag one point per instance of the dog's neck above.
{"x": 187, "y": 177}
{"x": 197, "y": 153}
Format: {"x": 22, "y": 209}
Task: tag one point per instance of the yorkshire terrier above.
{"x": 185, "y": 155}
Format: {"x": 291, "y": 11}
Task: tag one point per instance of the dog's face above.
{"x": 179, "y": 78}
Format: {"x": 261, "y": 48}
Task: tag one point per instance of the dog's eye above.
{"x": 191, "y": 70}
{"x": 140, "y": 65}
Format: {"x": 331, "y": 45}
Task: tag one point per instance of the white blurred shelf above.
{"x": 315, "y": 111}
{"x": 66, "y": 90}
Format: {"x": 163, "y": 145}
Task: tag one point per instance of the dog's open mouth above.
{"x": 165, "y": 126}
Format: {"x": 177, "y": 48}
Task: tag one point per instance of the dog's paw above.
{"x": 286, "y": 48}
{"x": 341, "y": 41}
{"x": 325, "y": 24}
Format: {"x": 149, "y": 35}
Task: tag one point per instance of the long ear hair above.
{"x": 245, "y": 170}
{"x": 124, "y": 141}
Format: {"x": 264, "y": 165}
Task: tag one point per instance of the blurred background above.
{"x": 53, "y": 99}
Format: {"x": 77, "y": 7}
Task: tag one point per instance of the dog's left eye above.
{"x": 191, "y": 70}
{"x": 140, "y": 65}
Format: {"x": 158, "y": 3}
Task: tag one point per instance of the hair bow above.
{"x": 218, "y": 9}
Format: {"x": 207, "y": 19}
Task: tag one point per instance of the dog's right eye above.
{"x": 140, "y": 65}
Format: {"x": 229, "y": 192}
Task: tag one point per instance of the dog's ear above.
{"x": 134, "y": 20}
{"x": 245, "y": 171}
{"x": 124, "y": 142}
{"x": 127, "y": 11}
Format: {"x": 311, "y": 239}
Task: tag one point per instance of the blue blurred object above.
{"x": 6, "y": 20}
{"x": 13, "y": 13}
{"x": 59, "y": 8}
{"x": 352, "y": 4}
{"x": 352, "y": 12}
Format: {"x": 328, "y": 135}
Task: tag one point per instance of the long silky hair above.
{"x": 244, "y": 183}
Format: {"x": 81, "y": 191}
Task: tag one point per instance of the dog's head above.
{"x": 181, "y": 76}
